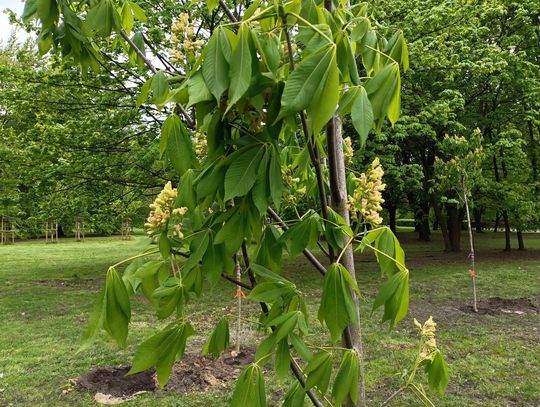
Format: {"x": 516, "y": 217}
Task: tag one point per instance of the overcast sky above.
{"x": 5, "y": 29}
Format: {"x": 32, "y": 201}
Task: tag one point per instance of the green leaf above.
{"x": 324, "y": 103}
{"x": 178, "y": 141}
{"x": 437, "y": 374}
{"x": 242, "y": 173}
{"x": 306, "y": 81}
{"x": 362, "y": 115}
{"x": 394, "y": 294}
{"x": 197, "y": 89}
{"x": 169, "y": 296}
{"x": 271, "y": 291}
{"x": 346, "y": 381}
{"x": 218, "y": 340}
{"x": 162, "y": 350}
{"x": 159, "y": 87}
{"x": 215, "y": 68}
{"x": 295, "y": 396}
{"x": 282, "y": 361}
{"x": 96, "y": 321}
{"x": 102, "y": 18}
{"x": 118, "y": 310}
{"x": 263, "y": 272}
{"x": 143, "y": 95}
{"x": 249, "y": 390}
{"x": 212, "y": 4}
{"x": 318, "y": 371}
{"x": 261, "y": 190}
{"x": 240, "y": 72}
{"x": 197, "y": 249}
{"x": 304, "y": 233}
{"x": 276, "y": 179}
{"x": 383, "y": 91}
{"x": 164, "y": 245}
{"x": 337, "y": 308}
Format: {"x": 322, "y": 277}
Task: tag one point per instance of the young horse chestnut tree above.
{"x": 250, "y": 101}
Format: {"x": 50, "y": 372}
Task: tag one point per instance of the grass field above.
{"x": 47, "y": 292}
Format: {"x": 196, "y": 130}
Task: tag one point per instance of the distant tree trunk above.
{"x": 496, "y": 225}
{"x": 478, "y": 220}
{"x": 61, "y": 231}
{"x": 435, "y": 224}
{"x": 392, "y": 218}
{"x": 422, "y": 222}
{"x": 507, "y": 246}
{"x": 454, "y": 227}
{"x": 442, "y": 223}
{"x": 521, "y": 244}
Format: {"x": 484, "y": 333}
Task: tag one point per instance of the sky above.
{"x": 5, "y": 28}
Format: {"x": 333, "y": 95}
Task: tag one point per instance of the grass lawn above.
{"x": 47, "y": 292}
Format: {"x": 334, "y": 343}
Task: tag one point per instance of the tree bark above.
{"x": 441, "y": 220}
{"x": 422, "y": 220}
{"x": 472, "y": 271}
{"x": 496, "y": 223}
{"x": 454, "y": 227}
{"x": 507, "y": 246}
{"x": 338, "y": 189}
{"x": 478, "y": 220}
{"x": 521, "y": 243}
{"x": 392, "y": 218}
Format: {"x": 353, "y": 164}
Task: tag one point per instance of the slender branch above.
{"x": 392, "y": 396}
{"x": 316, "y": 402}
{"x": 227, "y": 11}
{"x": 235, "y": 281}
{"x": 151, "y": 66}
{"x": 141, "y": 55}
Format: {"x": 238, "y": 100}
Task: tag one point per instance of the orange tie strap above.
{"x": 239, "y": 293}
{"x": 472, "y": 273}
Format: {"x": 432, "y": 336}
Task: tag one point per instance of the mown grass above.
{"x": 47, "y": 292}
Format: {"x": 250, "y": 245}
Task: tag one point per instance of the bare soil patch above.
{"x": 497, "y": 305}
{"x": 447, "y": 311}
{"x": 194, "y": 373}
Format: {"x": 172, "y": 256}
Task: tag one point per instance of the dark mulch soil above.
{"x": 194, "y": 373}
{"x": 447, "y": 311}
{"x": 497, "y": 305}
{"x": 113, "y": 381}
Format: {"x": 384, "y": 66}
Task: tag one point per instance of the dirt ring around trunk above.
{"x": 194, "y": 373}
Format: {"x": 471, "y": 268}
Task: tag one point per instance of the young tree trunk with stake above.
{"x": 472, "y": 271}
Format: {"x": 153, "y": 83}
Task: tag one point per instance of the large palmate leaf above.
{"x": 176, "y": 141}
{"x": 162, "y": 350}
{"x": 337, "y": 308}
{"x": 306, "y": 81}
{"x": 362, "y": 115}
{"x": 383, "y": 91}
{"x": 249, "y": 390}
{"x": 112, "y": 312}
{"x": 394, "y": 295}
{"x": 240, "y": 72}
{"x": 324, "y": 103}
{"x": 215, "y": 68}
{"x": 242, "y": 173}
{"x": 346, "y": 381}
{"x": 218, "y": 340}
{"x": 437, "y": 373}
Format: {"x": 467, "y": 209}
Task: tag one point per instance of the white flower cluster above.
{"x": 186, "y": 49}
{"x": 365, "y": 202}
{"x": 427, "y": 334}
{"x": 161, "y": 211}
